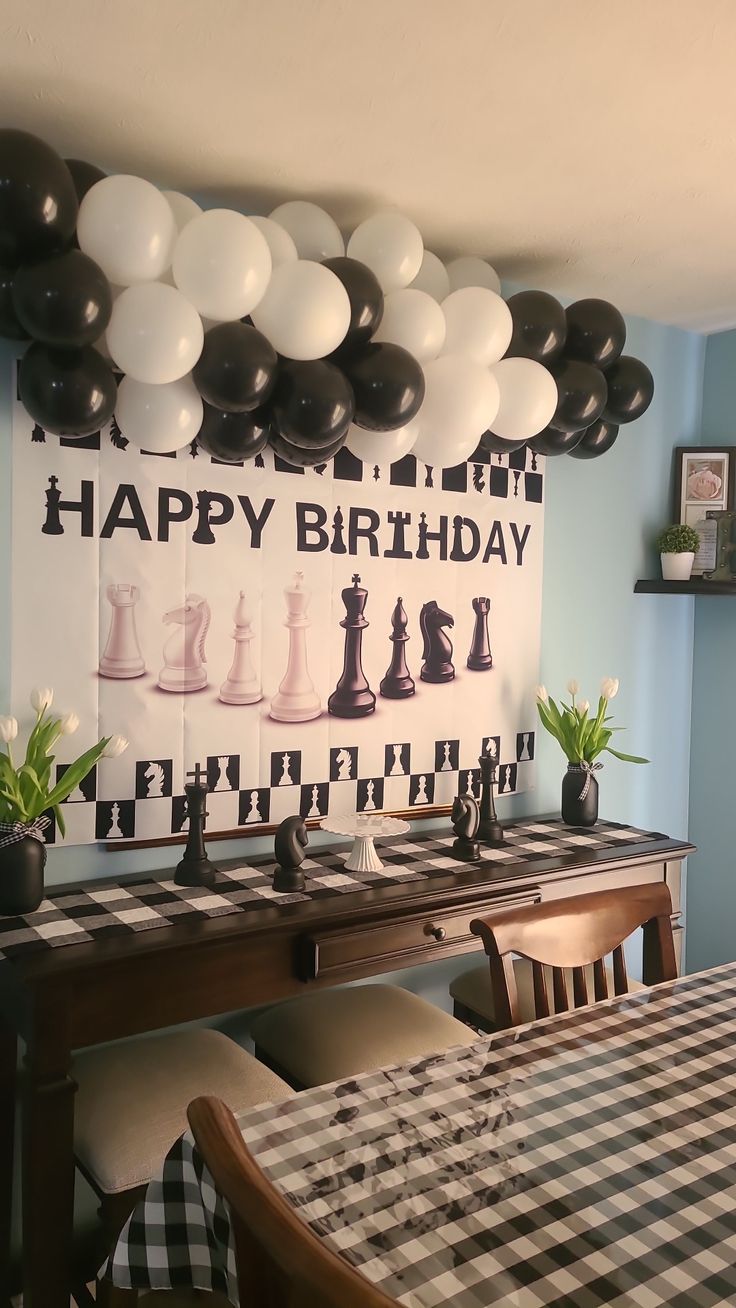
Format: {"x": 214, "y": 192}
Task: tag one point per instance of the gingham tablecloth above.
{"x": 588, "y": 1159}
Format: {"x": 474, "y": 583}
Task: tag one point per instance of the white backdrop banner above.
{"x": 252, "y": 619}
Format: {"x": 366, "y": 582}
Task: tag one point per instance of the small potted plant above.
{"x": 583, "y": 739}
{"x": 677, "y": 547}
{"x": 27, "y": 796}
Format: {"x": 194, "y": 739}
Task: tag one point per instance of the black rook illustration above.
{"x": 437, "y": 652}
{"x": 480, "y": 658}
{"x": 397, "y": 683}
{"x": 353, "y": 697}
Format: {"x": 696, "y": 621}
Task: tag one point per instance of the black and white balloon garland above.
{"x": 241, "y": 332}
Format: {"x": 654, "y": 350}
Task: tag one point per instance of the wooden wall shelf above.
{"x": 695, "y": 586}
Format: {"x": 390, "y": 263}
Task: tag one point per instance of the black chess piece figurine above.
{"x": 490, "y": 830}
{"x": 195, "y": 868}
{"x": 398, "y": 683}
{"x": 352, "y": 696}
{"x": 289, "y": 844}
{"x": 465, "y": 819}
{"x": 480, "y": 658}
{"x": 437, "y": 651}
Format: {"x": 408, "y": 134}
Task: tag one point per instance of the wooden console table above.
{"x": 61, "y": 999}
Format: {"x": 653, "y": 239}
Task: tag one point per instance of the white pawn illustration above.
{"x": 254, "y": 812}
{"x": 422, "y": 797}
{"x": 242, "y": 685}
{"x": 122, "y": 655}
{"x": 296, "y": 699}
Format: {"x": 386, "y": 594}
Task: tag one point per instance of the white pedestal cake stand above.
{"x": 365, "y": 828}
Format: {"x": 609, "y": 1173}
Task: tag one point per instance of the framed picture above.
{"x": 705, "y": 478}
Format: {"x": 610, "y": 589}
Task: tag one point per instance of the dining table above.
{"x": 584, "y": 1159}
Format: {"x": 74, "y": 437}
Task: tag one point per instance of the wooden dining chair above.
{"x": 565, "y": 944}
{"x": 280, "y": 1261}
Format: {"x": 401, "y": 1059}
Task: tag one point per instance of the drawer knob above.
{"x": 439, "y": 933}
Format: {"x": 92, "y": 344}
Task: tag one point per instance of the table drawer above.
{"x": 403, "y": 940}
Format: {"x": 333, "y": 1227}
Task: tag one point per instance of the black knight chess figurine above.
{"x": 290, "y": 841}
{"x": 195, "y": 868}
{"x": 352, "y": 696}
{"x": 437, "y": 651}
{"x": 465, "y": 819}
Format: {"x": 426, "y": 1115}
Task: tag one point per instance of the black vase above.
{"x": 577, "y": 811}
{"x": 21, "y": 876}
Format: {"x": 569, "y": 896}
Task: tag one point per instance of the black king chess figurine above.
{"x": 352, "y": 696}
{"x": 465, "y": 819}
{"x": 289, "y": 845}
{"x": 398, "y": 683}
{"x": 490, "y": 830}
{"x": 195, "y": 868}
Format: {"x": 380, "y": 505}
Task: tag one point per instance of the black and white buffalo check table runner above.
{"x": 588, "y": 1159}
{"x": 101, "y": 911}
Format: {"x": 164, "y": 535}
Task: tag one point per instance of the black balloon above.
{"x": 552, "y": 442}
{"x": 233, "y": 437}
{"x": 300, "y": 457}
{"x": 596, "y": 332}
{"x": 497, "y": 445}
{"x": 64, "y": 300}
{"x": 237, "y": 368}
{"x": 540, "y": 327}
{"x": 84, "y": 175}
{"x": 366, "y": 300}
{"x": 312, "y": 403}
{"x": 67, "y": 392}
{"x": 581, "y": 391}
{"x": 630, "y": 390}
{"x": 596, "y": 440}
{"x": 38, "y": 202}
{"x": 388, "y": 384}
{"x": 10, "y": 326}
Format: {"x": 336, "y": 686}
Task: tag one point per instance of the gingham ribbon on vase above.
{"x": 13, "y": 832}
{"x": 588, "y": 769}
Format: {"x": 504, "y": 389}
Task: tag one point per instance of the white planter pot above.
{"x": 677, "y": 567}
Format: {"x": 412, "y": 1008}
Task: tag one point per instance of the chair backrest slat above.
{"x": 559, "y": 990}
{"x": 620, "y": 978}
{"x": 541, "y": 997}
{"x": 600, "y": 980}
{"x": 579, "y": 987}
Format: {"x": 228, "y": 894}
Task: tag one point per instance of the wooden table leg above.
{"x": 8, "y": 1059}
{"x": 48, "y": 1168}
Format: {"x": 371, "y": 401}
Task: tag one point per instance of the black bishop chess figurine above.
{"x": 195, "y": 868}
{"x": 490, "y": 830}
{"x": 480, "y": 658}
{"x": 397, "y": 683}
{"x": 352, "y": 696}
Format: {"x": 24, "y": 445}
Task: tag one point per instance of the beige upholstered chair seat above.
{"x": 132, "y": 1100}
{"x": 333, "y": 1034}
{"x": 473, "y": 988}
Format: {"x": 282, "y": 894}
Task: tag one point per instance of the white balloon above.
{"x": 305, "y": 312}
{"x": 281, "y": 245}
{"x": 315, "y": 234}
{"x": 479, "y": 324}
{"x": 382, "y": 447}
{"x": 416, "y": 321}
{"x": 391, "y": 246}
{"x": 469, "y": 270}
{"x": 128, "y": 228}
{"x": 159, "y": 419}
{"x": 222, "y": 264}
{"x": 183, "y": 207}
{"x": 432, "y": 277}
{"x": 460, "y": 403}
{"x": 528, "y": 399}
{"x": 154, "y": 335}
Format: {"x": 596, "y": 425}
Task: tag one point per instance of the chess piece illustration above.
{"x": 154, "y": 776}
{"x": 253, "y": 814}
{"x": 52, "y": 525}
{"x": 369, "y": 803}
{"x": 422, "y": 796}
{"x": 122, "y": 654}
{"x": 114, "y": 831}
{"x": 397, "y": 767}
{"x": 446, "y": 764}
{"x": 353, "y": 697}
{"x": 285, "y": 778}
{"x": 222, "y": 782}
{"x": 525, "y": 756}
{"x": 397, "y": 683}
{"x": 490, "y": 830}
{"x": 184, "y": 667}
{"x": 314, "y": 808}
{"x": 469, "y": 785}
{"x": 289, "y": 844}
{"x": 195, "y": 868}
{"x": 437, "y": 651}
{"x": 296, "y": 699}
{"x": 465, "y": 821}
{"x": 345, "y": 764}
{"x": 242, "y": 685}
{"x": 480, "y": 658}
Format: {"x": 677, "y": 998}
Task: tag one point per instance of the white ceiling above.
{"x": 585, "y": 146}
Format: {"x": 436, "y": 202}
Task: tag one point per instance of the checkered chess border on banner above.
{"x": 103, "y": 911}
{"x": 588, "y": 1159}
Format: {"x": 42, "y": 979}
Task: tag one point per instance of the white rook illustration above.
{"x": 122, "y": 655}
{"x": 296, "y": 699}
{"x": 242, "y": 685}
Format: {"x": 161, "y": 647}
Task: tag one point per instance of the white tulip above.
{"x": 573, "y": 687}
{"x": 609, "y": 687}
{"x": 68, "y": 724}
{"x": 8, "y": 730}
{"x": 115, "y": 746}
{"x": 542, "y": 695}
{"x": 42, "y": 698}
{"x": 584, "y": 705}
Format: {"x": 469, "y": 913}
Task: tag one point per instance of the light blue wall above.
{"x": 711, "y": 902}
